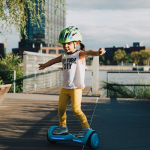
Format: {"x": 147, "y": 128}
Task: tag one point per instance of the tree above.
{"x": 101, "y": 59}
{"x": 135, "y": 57}
{"x": 144, "y": 56}
{"x": 119, "y": 55}
{"x": 127, "y": 58}
{"x": 88, "y": 61}
{"x": 108, "y": 62}
{"x": 15, "y": 12}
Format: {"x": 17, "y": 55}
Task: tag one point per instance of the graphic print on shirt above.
{"x": 68, "y": 62}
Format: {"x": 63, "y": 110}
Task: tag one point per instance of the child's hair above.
{"x": 82, "y": 47}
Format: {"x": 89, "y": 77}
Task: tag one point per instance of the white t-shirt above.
{"x": 73, "y": 71}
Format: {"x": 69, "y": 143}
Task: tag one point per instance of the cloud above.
{"x": 107, "y": 4}
{"x": 106, "y": 28}
{"x": 105, "y": 23}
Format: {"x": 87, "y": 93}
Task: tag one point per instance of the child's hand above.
{"x": 42, "y": 66}
{"x": 101, "y": 51}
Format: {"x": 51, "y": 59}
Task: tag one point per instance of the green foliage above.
{"x": 101, "y": 59}
{"x": 128, "y": 58}
{"x": 141, "y": 57}
{"x": 119, "y": 56}
{"x": 116, "y": 90}
{"x": 16, "y": 12}
{"x": 1, "y": 81}
{"x": 135, "y": 57}
{"x": 144, "y": 56}
{"x": 108, "y": 62}
{"x": 88, "y": 61}
{"x": 12, "y": 62}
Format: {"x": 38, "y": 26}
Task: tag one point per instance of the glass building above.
{"x": 48, "y": 34}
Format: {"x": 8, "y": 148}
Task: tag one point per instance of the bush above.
{"x": 116, "y": 90}
{"x": 1, "y": 81}
{"x": 12, "y": 62}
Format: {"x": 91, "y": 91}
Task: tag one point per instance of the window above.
{"x": 52, "y": 51}
{"x": 60, "y": 51}
{"x": 44, "y": 51}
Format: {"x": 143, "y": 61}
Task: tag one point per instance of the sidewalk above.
{"x": 122, "y": 124}
{"x": 25, "y": 119}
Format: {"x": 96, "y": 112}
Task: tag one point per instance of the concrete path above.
{"x": 122, "y": 124}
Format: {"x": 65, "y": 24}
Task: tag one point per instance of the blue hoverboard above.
{"x": 91, "y": 138}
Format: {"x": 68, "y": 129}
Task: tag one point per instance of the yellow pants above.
{"x": 75, "y": 95}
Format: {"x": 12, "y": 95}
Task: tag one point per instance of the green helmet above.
{"x": 70, "y": 34}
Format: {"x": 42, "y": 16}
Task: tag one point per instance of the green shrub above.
{"x": 1, "y": 81}
{"x": 116, "y": 90}
{"x": 12, "y": 62}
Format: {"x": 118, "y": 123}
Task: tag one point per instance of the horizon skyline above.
{"x": 114, "y": 46}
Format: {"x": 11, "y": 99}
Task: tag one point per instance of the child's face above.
{"x": 69, "y": 47}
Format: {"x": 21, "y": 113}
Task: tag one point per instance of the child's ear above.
{"x": 77, "y": 43}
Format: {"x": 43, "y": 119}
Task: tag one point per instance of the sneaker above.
{"x": 60, "y": 130}
{"x": 83, "y": 132}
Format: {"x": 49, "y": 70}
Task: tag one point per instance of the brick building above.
{"x": 44, "y": 50}
{"x": 137, "y": 46}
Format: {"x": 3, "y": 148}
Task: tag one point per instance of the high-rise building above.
{"x": 48, "y": 34}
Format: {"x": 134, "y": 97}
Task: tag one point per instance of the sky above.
{"x": 104, "y": 23}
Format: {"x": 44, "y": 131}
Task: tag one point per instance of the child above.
{"x": 73, "y": 62}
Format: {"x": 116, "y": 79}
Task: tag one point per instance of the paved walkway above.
{"x": 122, "y": 124}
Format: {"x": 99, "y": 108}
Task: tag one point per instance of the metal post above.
{"x": 14, "y": 81}
{"x": 134, "y": 91}
{"x": 34, "y": 68}
{"x": 107, "y": 84}
{"x": 95, "y": 77}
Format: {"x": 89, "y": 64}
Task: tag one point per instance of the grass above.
{"x": 116, "y": 90}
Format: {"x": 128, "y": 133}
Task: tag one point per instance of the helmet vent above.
{"x": 74, "y": 34}
{"x": 66, "y": 35}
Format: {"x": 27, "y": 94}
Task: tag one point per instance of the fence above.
{"x": 34, "y": 78}
{"x": 14, "y": 78}
{"x": 130, "y": 85}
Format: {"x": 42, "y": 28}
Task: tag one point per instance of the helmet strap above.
{"x": 75, "y": 45}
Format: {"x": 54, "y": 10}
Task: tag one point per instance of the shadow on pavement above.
{"x": 24, "y": 125}
{"x": 122, "y": 124}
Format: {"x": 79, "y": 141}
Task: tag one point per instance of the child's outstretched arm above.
{"x": 84, "y": 54}
{"x": 51, "y": 62}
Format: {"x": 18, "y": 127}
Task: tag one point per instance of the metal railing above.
{"x": 14, "y": 81}
{"x": 113, "y": 84}
{"x": 35, "y": 79}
